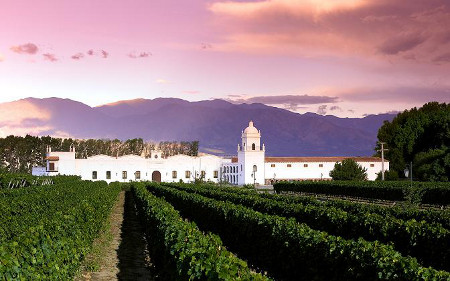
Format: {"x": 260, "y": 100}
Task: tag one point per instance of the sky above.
{"x": 347, "y": 58}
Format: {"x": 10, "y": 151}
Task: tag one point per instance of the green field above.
{"x": 211, "y": 232}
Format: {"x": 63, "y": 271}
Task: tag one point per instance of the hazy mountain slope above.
{"x": 217, "y": 124}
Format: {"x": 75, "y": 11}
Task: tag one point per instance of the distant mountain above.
{"x": 217, "y": 124}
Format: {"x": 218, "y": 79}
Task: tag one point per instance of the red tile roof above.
{"x": 52, "y": 158}
{"x": 321, "y": 159}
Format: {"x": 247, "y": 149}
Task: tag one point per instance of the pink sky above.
{"x": 341, "y": 57}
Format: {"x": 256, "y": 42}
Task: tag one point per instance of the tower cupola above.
{"x": 251, "y": 138}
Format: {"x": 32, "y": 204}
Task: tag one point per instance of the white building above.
{"x": 251, "y": 166}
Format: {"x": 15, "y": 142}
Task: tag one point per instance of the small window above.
{"x": 289, "y": 165}
{"x": 216, "y": 174}
{"x": 272, "y": 165}
{"x": 51, "y": 166}
{"x": 108, "y": 175}
{"x": 187, "y": 174}
{"x": 137, "y": 175}
{"x": 320, "y": 165}
{"x": 253, "y": 146}
{"x": 124, "y": 175}
{"x": 241, "y": 167}
{"x": 305, "y": 165}
{"x": 156, "y": 156}
{"x": 174, "y": 174}
{"x": 94, "y": 175}
{"x": 203, "y": 174}
{"x": 372, "y": 165}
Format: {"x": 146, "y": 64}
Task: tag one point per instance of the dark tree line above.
{"x": 20, "y": 154}
{"x": 421, "y": 136}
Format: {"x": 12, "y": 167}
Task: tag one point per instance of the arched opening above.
{"x": 253, "y": 146}
{"x": 156, "y": 176}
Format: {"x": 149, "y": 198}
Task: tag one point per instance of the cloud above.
{"x": 402, "y": 43}
{"x": 391, "y": 112}
{"x": 288, "y": 99}
{"x": 21, "y": 118}
{"x": 206, "y": 46}
{"x": 322, "y": 110}
{"x": 134, "y": 55}
{"x": 50, "y": 57}
{"x": 397, "y": 94}
{"x": 384, "y": 29}
{"x": 162, "y": 81}
{"x": 90, "y": 52}
{"x": 77, "y": 56}
{"x": 28, "y": 48}
{"x": 2, "y": 58}
{"x": 335, "y": 108}
{"x": 444, "y": 58}
{"x": 104, "y": 53}
{"x": 289, "y": 102}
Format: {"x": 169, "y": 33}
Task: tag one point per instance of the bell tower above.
{"x": 251, "y": 156}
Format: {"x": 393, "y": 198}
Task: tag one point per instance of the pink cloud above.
{"x": 401, "y": 29}
{"x": 206, "y": 46}
{"x": 104, "y": 53}
{"x": 28, "y": 48}
{"x": 134, "y": 55}
{"x": 78, "y": 56}
{"x": 322, "y": 110}
{"x": 50, "y": 57}
{"x": 22, "y": 117}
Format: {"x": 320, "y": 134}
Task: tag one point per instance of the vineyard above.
{"x": 211, "y": 232}
{"x": 46, "y": 230}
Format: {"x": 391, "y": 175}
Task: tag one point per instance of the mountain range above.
{"x": 216, "y": 124}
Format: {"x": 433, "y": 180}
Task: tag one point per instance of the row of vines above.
{"x": 293, "y": 240}
{"x": 47, "y": 230}
{"x": 436, "y": 193}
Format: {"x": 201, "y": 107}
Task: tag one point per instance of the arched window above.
{"x": 253, "y": 146}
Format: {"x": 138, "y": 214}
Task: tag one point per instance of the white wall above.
{"x": 68, "y": 165}
{"x": 298, "y": 171}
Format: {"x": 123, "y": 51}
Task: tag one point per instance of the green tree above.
{"x": 348, "y": 170}
{"x": 421, "y": 136}
{"x": 390, "y": 175}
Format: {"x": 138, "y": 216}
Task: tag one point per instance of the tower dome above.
{"x": 251, "y": 129}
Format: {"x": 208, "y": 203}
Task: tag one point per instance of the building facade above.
{"x": 251, "y": 166}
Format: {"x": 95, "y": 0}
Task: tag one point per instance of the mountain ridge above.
{"x": 217, "y": 125}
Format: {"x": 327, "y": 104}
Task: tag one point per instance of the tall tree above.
{"x": 348, "y": 170}
{"x": 421, "y": 136}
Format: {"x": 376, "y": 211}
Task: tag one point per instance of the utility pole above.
{"x": 382, "y": 150}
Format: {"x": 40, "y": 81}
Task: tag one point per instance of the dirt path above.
{"x": 121, "y": 252}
